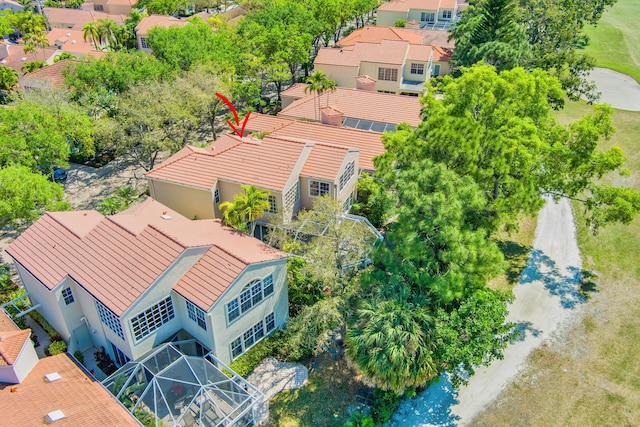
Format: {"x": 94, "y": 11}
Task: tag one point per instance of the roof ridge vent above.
{"x": 53, "y": 376}
{"x": 54, "y": 416}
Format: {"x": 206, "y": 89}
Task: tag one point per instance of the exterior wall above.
{"x": 118, "y": 9}
{"x": 416, "y": 77}
{"x": 441, "y": 14}
{"x": 154, "y": 294}
{"x": 306, "y": 200}
{"x": 371, "y": 69}
{"x": 350, "y": 187}
{"x": 344, "y": 76}
{"x": 388, "y": 18}
{"x": 205, "y": 338}
{"x": 139, "y": 37}
{"x": 277, "y": 303}
{"x": 287, "y": 100}
{"x": 445, "y": 68}
{"x": 188, "y": 201}
{"x": 73, "y": 312}
{"x": 417, "y": 14}
{"x": 25, "y": 362}
{"x": 40, "y": 294}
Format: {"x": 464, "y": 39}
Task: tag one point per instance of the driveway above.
{"x": 617, "y": 89}
{"x": 546, "y": 296}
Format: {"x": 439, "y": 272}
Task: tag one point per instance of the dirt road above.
{"x": 546, "y": 297}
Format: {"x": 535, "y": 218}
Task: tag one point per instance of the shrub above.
{"x": 399, "y": 23}
{"x": 360, "y": 419}
{"x": 246, "y": 363}
{"x": 384, "y": 405}
{"x": 45, "y": 325}
{"x": 79, "y": 356}
{"x": 57, "y": 347}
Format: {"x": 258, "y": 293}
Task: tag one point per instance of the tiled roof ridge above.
{"x": 164, "y": 233}
{"x": 239, "y": 141}
{"x": 49, "y": 215}
{"x": 9, "y": 355}
{"x": 226, "y": 251}
{"x": 175, "y": 158}
{"x": 313, "y": 142}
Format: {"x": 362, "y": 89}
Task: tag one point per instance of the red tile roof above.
{"x": 148, "y": 22}
{"x": 50, "y": 76}
{"x": 72, "y": 41}
{"x": 82, "y": 399}
{"x": 117, "y": 258}
{"x": 16, "y": 58}
{"x": 374, "y": 34}
{"x": 358, "y": 104}
{"x": 11, "y": 344}
{"x": 405, "y": 5}
{"x": 393, "y": 52}
{"x": 264, "y": 163}
{"x": 265, "y": 123}
{"x": 78, "y": 17}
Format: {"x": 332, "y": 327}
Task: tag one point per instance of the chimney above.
{"x": 365, "y": 82}
{"x": 331, "y": 116}
{"x": 412, "y": 24}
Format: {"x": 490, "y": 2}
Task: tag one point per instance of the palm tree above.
{"x": 318, "y": 83}
{"x": 391, "y": 344}
{"x": 245, "y": 208}
{"x": 26, "y": 4}
{"x": 90, "y": 31}
{"x": 106, "y": 31}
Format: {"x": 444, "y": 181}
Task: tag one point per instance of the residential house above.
{"x": 114, "y": 7}
{"x": 368, "y": 143}
{"x": 75, "y": 18}
{"x": 360, "y": 108}
{"x": 49, "y": 77}
{"x": 442, "y": 48}
{"x": 73, "y": 42}
{"x": 397, "y": 66}
{"x": 17, "y": 355}
{"x": 12, "y": 55}
{"x": 424, "y": 11}
{"x": 148, "y": 22}
{"x": 132, "y": 281}
{"x": 294, "y": 170}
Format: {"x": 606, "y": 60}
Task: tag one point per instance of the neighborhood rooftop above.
{"x": 117, "y": 258}
{"x": 374, "y": 34}
{"x": 81, "y": 400}
{"x": 12, "y": 340}
{"x": 76, "y": 18}
{"x": 405, "y": 5}
{"x": 391, "y": 52}
{"x": 355, "y": 104}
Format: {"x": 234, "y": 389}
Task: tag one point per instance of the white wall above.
{"x": 27, "y": 359}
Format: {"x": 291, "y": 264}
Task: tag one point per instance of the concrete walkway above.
{"x": 545, "y": 297}
{"x": 616, "y": 89}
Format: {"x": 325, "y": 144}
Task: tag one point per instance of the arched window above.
{"x": 252, "y": 294}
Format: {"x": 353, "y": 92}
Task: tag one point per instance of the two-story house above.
{"x": 424, "y": 11}
{"x": 148, "y": 275}
{"x": 295, "y": 171}
{"x": 151, "y": 21}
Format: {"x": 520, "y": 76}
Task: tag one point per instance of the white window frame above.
{"x": 425, "y": 15}
{"x": 417, "y": 69}
{"x": 349, "y": 172}
{"x": 319, "y": 190}
{"x": 388, "y": 74}
{"x": 447, "y": 14}
{"x": 196, "y": 314}
{"x": 252, "y": 336}
{"x": 109, "y": 319}
{"x": 216, "y": 197}
{"x": 143, "y": 43}
{"x": 150, "y": 320}
{"x": 252, "y": 294}
{"x": 67, "y": 295}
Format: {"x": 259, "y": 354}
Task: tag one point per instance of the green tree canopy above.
{"x": 246, "y": 208}
{"x": 500, "y": 129}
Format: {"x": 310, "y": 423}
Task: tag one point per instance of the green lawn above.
{"x": 615, "y": 42}
{"x": 592, "y": 378}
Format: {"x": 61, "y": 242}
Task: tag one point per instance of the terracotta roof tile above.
{"x": 11, "y": 344}
{"x": 16, "y": 58}
{"x": 405, "y": 5}
{"x": 357, "y": 104}
{"x": 266, "y": 164}
{"x": 82, "y": 399}
{"x": 324, "y": 161}
{"x": 6, "y": 324}
{"x": 51, "y": 76}
{"x": 78, "y": 17}
{"x": 117, "y": 258}
{"x": 264, "y": 123}
{"x": 374, "y": 34}
{"x": 418, "y": 52}
{"x": 148, "y": 22}
{"x": 72, "y": 41}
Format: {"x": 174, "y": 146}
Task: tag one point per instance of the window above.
{"x": 253, "y": 335}
{"x": 417, "y": 69}
{"x": 120, "y": 357}
{"x": 197, "y": 315}
{"x": 216, "y": 197}
{"x": 270, "y": 321}
{"x": 152, "y": 318}
{"x": 347, "y": 175}
{"x": 436, "y": 70}
{"x": 446, "y": 14}
{"x": 143, "y": 43}
{"x": 292, "y": 195}
{"x": 251, "y": 295}
{"x": 273, "y": 206}
{"x": 317, "y": 188}
{"x": 428, "y": 17}
{"x": 67, "y": 295}
{"x": 387, "y": 91}
{"x": 388, "y": 74}
{"x": 108, "y": 318}
{"x": 98, "y": 8}
{"x": 347, "y": 203}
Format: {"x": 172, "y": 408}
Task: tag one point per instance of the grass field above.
{"x": 590, "y": 377}
{"x": 615, "y": 42}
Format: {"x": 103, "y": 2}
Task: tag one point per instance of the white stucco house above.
{"x": 148, "y": 275}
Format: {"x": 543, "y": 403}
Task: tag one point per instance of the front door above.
{"x": 82, "y": 337}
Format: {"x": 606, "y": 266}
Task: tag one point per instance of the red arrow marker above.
{"x": 235, "y": 115}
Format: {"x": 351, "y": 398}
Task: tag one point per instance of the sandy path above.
{"x": 545, "y": 297}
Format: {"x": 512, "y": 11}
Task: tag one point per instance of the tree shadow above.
{"x": 588, "y": 285}
{"x": 522, "y": 328}
{"x": 564, "y": 284}
{"x": 516, "y": 255}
